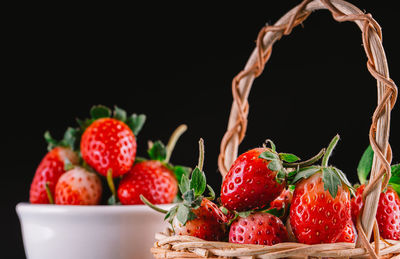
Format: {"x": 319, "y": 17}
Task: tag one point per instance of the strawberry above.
{"x": 256, "y": 178}
{"x": 349, "y": 234}
{"x": 195, "y": 215}
{"x": 284, "y": 199}
{"x": 156, "y": 179}
{"x": 387, "y": 215}
{"x": 320, "y": 207}
{"x": 150, "y": 178}
{"x": 388, "y": 211}
{"x": 259, "y": 228}
{"x": 52, "y": 167}
{"x": 108, "y": 145}
{"x": 78, "y": 187}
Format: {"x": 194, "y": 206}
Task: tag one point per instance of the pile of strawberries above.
{"x": 269, "y": 197}
{"x": 102, "y": 151}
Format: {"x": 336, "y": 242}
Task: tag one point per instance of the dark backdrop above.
{"x": 175, "y": 63}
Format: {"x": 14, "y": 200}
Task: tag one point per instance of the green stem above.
{"x": 173, "y": 139}
{"x": 329, "y": 150}
{"x": 305, "y": 163}
{"x": 151, "y": 205}
{"x": 48, "y": 192}
{"x": 110, "y": 182}
{"x": 273, "y": 147}
{"x": 201, "y": 154}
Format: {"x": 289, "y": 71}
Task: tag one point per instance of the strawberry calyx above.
{"x": 365, "y": 166}
{"x": 135, "y": 122}
{"x": 332, "y": 177}
{"x": 192, "y": 191}
{"x": 69, "y": 139}
{"x": 280, "y": 161}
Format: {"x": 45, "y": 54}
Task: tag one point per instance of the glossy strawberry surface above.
{"x": 150, "y": 178}
{"x": 207, "y": 224}
{"x": 49, "y": 170}
{"x": 259, "y": 228}
{"x": 349, "y": 234}
{"x": 109, "y": 144}
{"x": 315, "y": 216}
{"x": 250, "y": 184}
{"x": 387, "y": 215}
{"x": 78, "y": 187}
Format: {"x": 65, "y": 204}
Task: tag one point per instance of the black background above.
{"x": 175, "y": 63}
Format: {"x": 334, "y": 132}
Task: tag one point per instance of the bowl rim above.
{"x": 26, "y": 207}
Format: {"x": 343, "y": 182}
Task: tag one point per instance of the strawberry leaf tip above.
{"x": 287, "y": 157}
{"x": 365, "y": 164}
{"x": 100, "y": 111}
{"x": 69, "y": 139}
{"x": 136, "y": 122}
{"x": 198, "y": 182}
{"x": 157, "y": 151}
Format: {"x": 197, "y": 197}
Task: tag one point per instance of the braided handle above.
{"x": 377, "y": 66}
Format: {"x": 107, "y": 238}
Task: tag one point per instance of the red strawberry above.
{"x": 250, "y": 183}
{"x": 320, "y": 207}
{"x": 206, "y": 224}
{"x": 78, "y": 187}
{"x": 109, "y": 144}
{"x": 259, "y": 228}
{"x": 349, "y": 234}
{"x": 150, "y": 178}
{"x": 49, "y": 170}
{"x": 387, "y": 215}
{"x": 283, "y": 201}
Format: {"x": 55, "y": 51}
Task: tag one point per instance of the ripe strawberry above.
{"x": 196, "y": 215}
{"x": 206, "y": 224}
{"x": 387, "y": 215}
{"x": 258, "y": 228}
{"x": 320, "y": 207}
{"x": 155, "y": 179}
{"x": 52, "y": 167}
{"x": 150, "y": 178}
{"x": 78, "y": 187}
{"x": 349, "y": 234}
{"x": 283, "y": 201}
{"x": 250, "y": 183}
{"x": 257, "y": 177}
{"x": 109, "y": 144}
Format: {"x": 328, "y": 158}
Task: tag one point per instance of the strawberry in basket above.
{"x": 320, "y": 207}
{"x": 388, "y": 213}
{"x": 196, "y": 215}
{"x": 156, "y": 179}
{"x": 257, "y": 177}
{"x": 52, "y": 166}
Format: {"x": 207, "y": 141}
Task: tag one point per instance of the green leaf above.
{"x": 365, "y": 165}
{"x": 276, "y": 212}
{"x": 197, "y": 202}
{"x": 183, "y": 214}
{"x": 396, "y": 187}
{"x": 331, "y": 181}
{"x": 395, "y": 178}
{"x": 305, "y": 173}
{"x": 210, "y": 192}
{"x": 158, "y": 151}
{"x": 275, "y": 165}
{"x": 184, "y": 185}
{"x": 188, "y": 196}
{"x": 69, "y": 138}
{"x": 136, "y": 122}
{"x": 181, "y": 170}
{"x": 68, "y": 165}
{"x": 273, "y": 147}
{"x": 83, "y": 124}
{"x": 344, "y": 179}
{"x": 100, "y": 111}
{"x": 198, "y": 182}
{"x": 51, "y": 142}
{"x": 119, "y": 114}
{"x": 280, "y": 176}
{"x": 171, "y": 213}
{"x": 268, "y": 155}
{"x": 244, "y": 214}
{"x": 290, "y": 158}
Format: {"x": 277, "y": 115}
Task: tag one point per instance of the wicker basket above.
{"x": 169, "y": 246}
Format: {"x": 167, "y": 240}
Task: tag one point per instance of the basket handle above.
{"x": 376, "y": 64}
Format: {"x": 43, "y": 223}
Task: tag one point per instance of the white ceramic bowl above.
{"x": 89, "y": 232}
